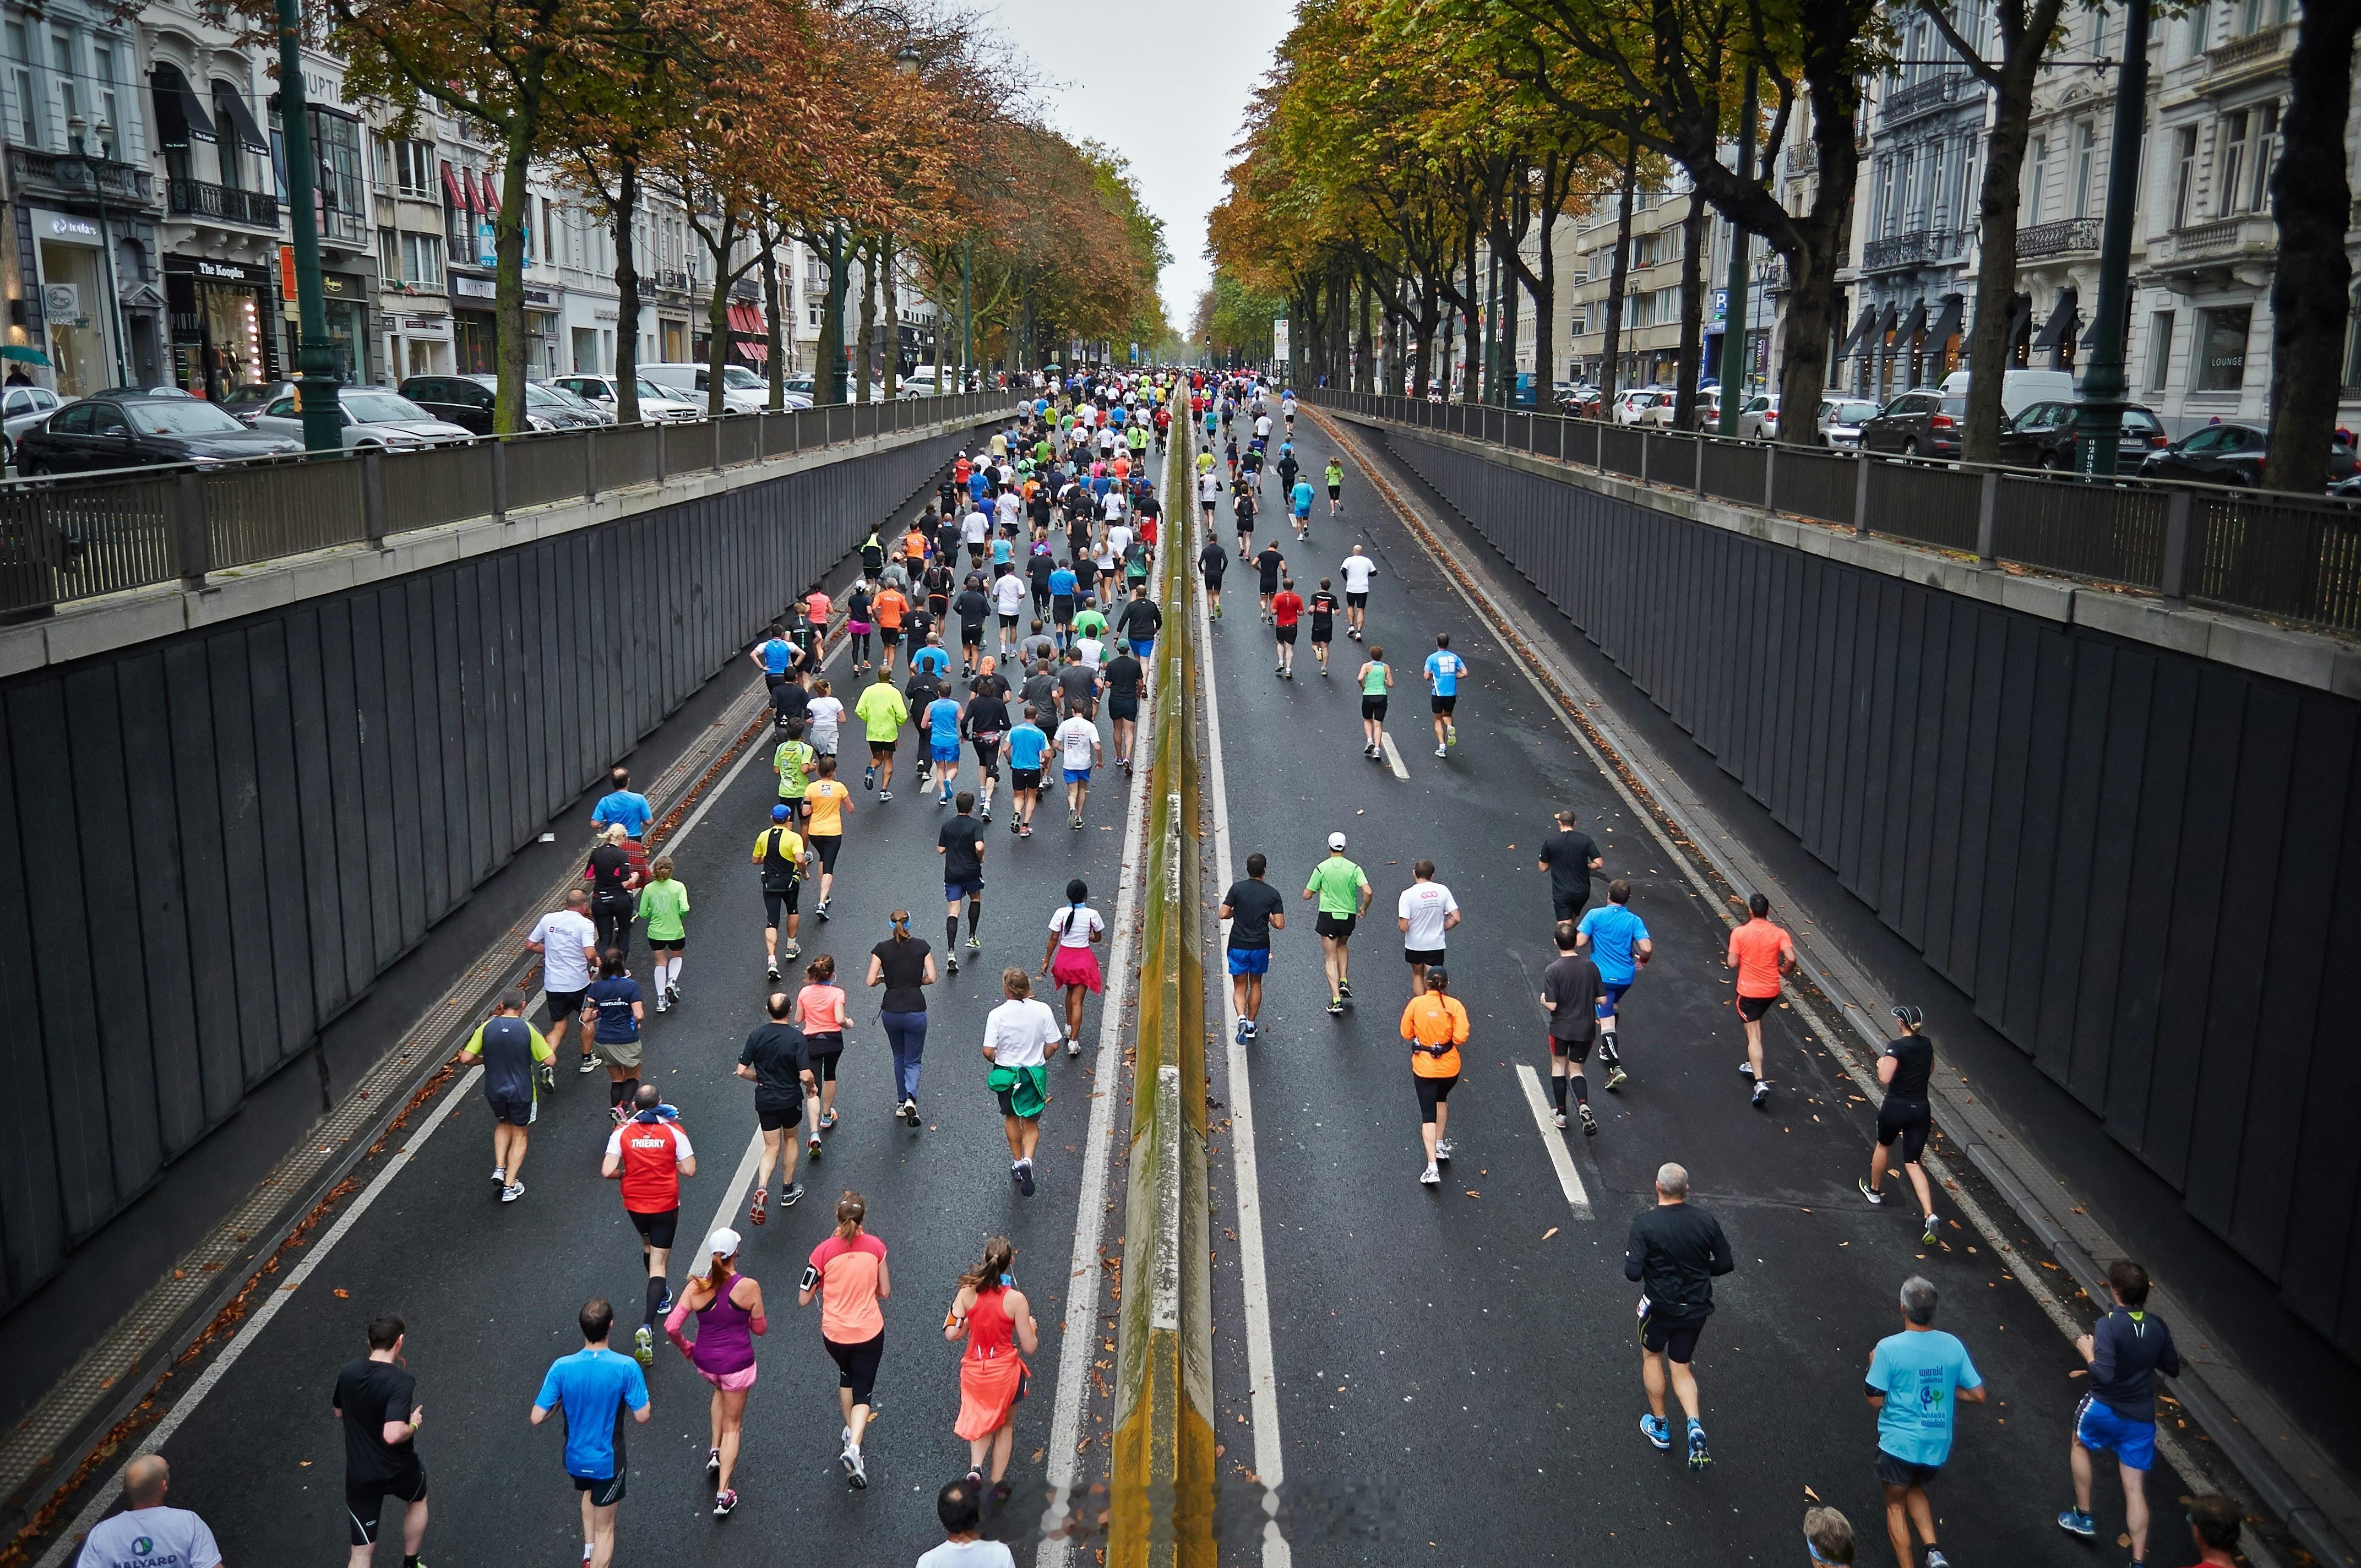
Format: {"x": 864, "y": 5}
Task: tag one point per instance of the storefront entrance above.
{"x": 223, "y": 336}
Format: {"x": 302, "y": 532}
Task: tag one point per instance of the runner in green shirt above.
{"x": 1343, "y": 892}
{"x": 881, "y": 711}
{"x": 1091, "y": 623}
{"x": 662, "y": 903}
{"x": 793, "y": 762}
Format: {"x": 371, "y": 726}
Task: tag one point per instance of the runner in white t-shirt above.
{"x": 1008, "y": 595}
{"x": 1424, "y": 911}
{"x": 1017, "y": 1035}
{"x": 568, "y": 942}
{"x": 1077, "y": 741}
{"x": 1356, "y": 571}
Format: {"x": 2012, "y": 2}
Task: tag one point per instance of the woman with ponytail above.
{"x": 847, "y": 1273}
{"x": 992, "y": 1316}
{"x": 904, "y": 965}
{"x": 1067, "y": 959}
{"x": 728, "y": 1309}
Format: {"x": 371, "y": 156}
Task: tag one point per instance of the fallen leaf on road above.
{"x": 344, "y": 1295}
{"x": 1809, "y": 1493}
{"x": 1547, "y": 1234}
{"x": 1473, "y": 1193}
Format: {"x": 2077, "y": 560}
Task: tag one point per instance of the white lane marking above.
{"x": 1262, "y": 1374}
{"x": 97, "y": 1508}
{"x": 1553, "y": 1140}
{"x": 1083, "y": 1282}
{"x": 1393, "y": 757}
{"x": 63, "y": 1549}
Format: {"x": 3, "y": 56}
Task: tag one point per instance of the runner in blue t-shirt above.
{"x": 622, "y": 803}
{"x": 773, "y": 655}
{"x": 1618, "y": 944}
{"x": 943, "y": 743}
{"x": 933, "y": 659}
{"x": 593, "y": 1387}
{"x": 1063, "y": 588}
{"x": 1443, "y": 669}
{"x": 1029, "y": 748}
{"x": 1299, "y": 498}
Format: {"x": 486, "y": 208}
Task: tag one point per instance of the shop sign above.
{"x": 475, "y": 288}
{"x": 214, "y": 272}
{"x": 68, "y": 229}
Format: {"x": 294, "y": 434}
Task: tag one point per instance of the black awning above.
{"x": 179, "y": 113}
{"x": 1886, "y": 322}
{"x": 2061, "y": 323}
{"x": 1947, "y": 325}
{"x": 232, "y": 104}
{"x": 1853, "y": 339}
{"x": 1915, "y": 322}
{"x": 2020, "y": 318}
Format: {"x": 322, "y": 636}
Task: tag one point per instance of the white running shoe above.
{"x": 1431, "y": 1177}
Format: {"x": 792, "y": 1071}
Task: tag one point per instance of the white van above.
{"x": 2019, "y": 389}
{"x": 742, "y": 392}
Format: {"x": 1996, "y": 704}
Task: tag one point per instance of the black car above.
{"x": 127, "y": 429}
{"x": 2043, "y": 435}
{"x": 2232, "y": 454}
{"x": 1922, "y": 423}
{"x": 467, "y": 401}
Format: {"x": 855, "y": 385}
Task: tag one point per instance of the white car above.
{"x": 373, "y": 417}
{"x": 742, "y": 392}
{"x": 1631, "y": 405}
{"x": 603, "y": 393}
{"x": 1759, "y": 418}
{"x": 24, "y": 408}
{"x": 1841, "y": 417}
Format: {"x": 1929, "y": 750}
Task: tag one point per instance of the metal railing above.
{"x": 2289, "y": 556}
{"x": 198, "y": 198}
{"x": 68, "y": 539}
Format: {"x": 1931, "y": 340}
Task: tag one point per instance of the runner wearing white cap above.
{"x": 1343, "y": 892}
{"x": 728, "y": 1309}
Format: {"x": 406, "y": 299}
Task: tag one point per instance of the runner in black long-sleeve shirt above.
{"x": 2127, "y": 1351}
{"x": 1675, "y": 1252}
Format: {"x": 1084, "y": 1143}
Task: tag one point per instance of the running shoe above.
{"x": 1430, "y": 1177}
{"x": 1762, "y": 1096}
{"x": 1616, "y": 1078}
{"x": 1871, "y": 1193}
{"x": 1559, "y": 1116}
{"x": 1025, "y": 832}
{"x": 1015, "y": 826}
{"x": 910, "y": 1111}
{"x": 771, "y": 969}
{"x": 1928, "y": 1236}
{"x": 954, "y": 962}
{"x": 854, "y": 1470}
{"x": 1442, "y": 752}
{"x": 1016, "y": 1171}
{"x": 1653, "y": 1429}
{"x": 790, "y": 1193}
{"x": 2074, "y": 1521}
{"x": 665, "y": 1305}
{"x": 759, "y": 1212}
{"x": 589, "y": 1063}
{"x": 500, "y": 1175}
{"x": 827, "y": 1120}
{"x": 1443, "y": 1150}
{"x": 883, "y": 795}
{"x": 794, "y": 949}
{"x": 1324, "y": 672}
{"x": 620, "y": 1113}
{"x": 985, "y": 814}
{"x": 671, "y": 994}
{"x": 869, "y": 778}
{"x": 643, "y": 1346}
{"x": 712, "y": 1461}
{"x": 822, "y": 910}
{"x": 1935, "y": 1558}
{"x": 975, "y": 942}
{"x": 1345, "y": 989}
{"x": 723, "y": 1502}
{"x": 1590, "y": 1121}
{"x": 1073, "y": 1044}
{"x": 1451, "y": 734}
{"x": 1075, "y": 820}
{"x": 512, "y": 1191}
{"x": 1243, "y": 1033}
{"x": 660, "y": 1001}
{"x": 1024, "y": 1179}
{"x": 813, "y": 1148}
{"x": 1698, "y": 1457}
{"x": 1746, "y": 1070}
{"x": 1335, "y": 1007}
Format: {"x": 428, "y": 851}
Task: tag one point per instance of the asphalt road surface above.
{"x": 1456, "y": 1367}
{"x": 490, "y": 1291}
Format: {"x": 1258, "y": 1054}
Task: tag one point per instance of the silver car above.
{"x": 373, "y": 416}
{"x": 24, "y": 408}
{"x": 1842, "y": 419}
{"x": 604, "y": 392}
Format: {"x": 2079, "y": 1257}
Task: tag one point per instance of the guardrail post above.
{"x": 2179, "y": 510}
{"x": 1699, "y": 486}
{"x": 1988, "y": 520}
{"x": 715, "y": 424}
{"x": 196, "y": 545}
{"x": 1643, "y": 454}
{"x": 590, "y": 464}
{"x": 661, "y": 427}
{"x": 373, "y": 496}
{"x": 1769, "y": 472}
{"x": 1861, "y": 496}
{"x": 1562, "y": 422}
{"x": 499, "y": 478}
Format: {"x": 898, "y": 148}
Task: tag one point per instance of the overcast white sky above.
{"x": 1164, "y": 86}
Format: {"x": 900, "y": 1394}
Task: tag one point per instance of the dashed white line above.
{"x": 1393, "y": 757}
{"x": 1561, "y": 1158}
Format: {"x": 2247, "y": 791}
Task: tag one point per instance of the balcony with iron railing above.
{"x": 1803, "y": 158}
{"x": 1923, "y": 97}
{"x": 222, "y": 204}
{"x": 2215, "y": 246}
{"x": 2258, "y": 53}
{"x": 74, "y": 177}
{"x": 1922, "y": 248}
{"x": 2053, "y": 241}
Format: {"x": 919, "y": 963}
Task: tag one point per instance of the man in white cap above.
{"x": 1343, "y": 892}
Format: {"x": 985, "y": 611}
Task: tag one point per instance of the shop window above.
{"x": 422, "y": 261}
{"x": 2159, "y": 350}
{"x": 2221, "y": 348}
{"x": 341, "y": 194}
{"x": 20, "y": 77}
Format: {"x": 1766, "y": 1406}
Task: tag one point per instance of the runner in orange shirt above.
{"x": 889, "y": 607}
{"x": 1760, "y": 952}
{"x": 1435, "y": 1025}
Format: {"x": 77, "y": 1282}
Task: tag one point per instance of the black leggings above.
{"x": 611, "y": 912}
{"x": 823, "y": 1063}
{"x": 856, "y": 1365}
{"x": 1432, "y": 1092}
{"x": 860, "y": 647}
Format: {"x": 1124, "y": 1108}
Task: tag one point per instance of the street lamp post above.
{"x": 2100, "y": 423}
{"x": 967, "y": 312}
{"x": 316, "y": 391}
{"x": 1741, "y": 248}
{"x": 75, "y": 125}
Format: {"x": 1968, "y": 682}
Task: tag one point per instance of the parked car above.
{"x": 1632, "y": 402}
{"x": 2043, "y": 435}
{"x": 742, "y": 392}
{"x": 655, "y": 403}
{"x": 2019, "y": 389}
{"x": 1758, "y": 416}
{"x": 574, "y": 401}
{"x": 24, "y": 408}
{"x": 248, "y": 400}
{"x": 373, "y": 417}
{"x": 2232, "y": 454}
{"x": 1842, "y": 418}
{"x": 467, "y": 401}
{"x": 127, "y": 429}
{"x": 1922, "y": 423}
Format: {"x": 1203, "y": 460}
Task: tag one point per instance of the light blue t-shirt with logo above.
{"x": 1443, "y": 668}
{"x": 150, "y": 1538}
{"x": 592, "y": 1388}
{"x": 1919, "y": 1372}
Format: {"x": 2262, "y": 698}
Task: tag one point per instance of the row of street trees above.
{"x": 1401, "y": 151}
{"x": 893, "y": 141}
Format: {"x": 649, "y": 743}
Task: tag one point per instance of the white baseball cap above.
{"x": 1337, "y": 841}
{"x": 723, "y": 1242}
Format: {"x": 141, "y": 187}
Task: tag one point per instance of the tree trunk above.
{"x": 627, "y": 298}
{"x": 1471, "y": 387}
{"x": 828, "y": 361}
{"x": 717, "y": 315}
{"x": 1422, "y": 364}
{"x": 1692, "y": 352}
{"x": 864, "y": 363}
{"x": 891, "y": 291}
{"x": 1543, "y": 286}
{"x": 775, "y": 371}
{"x": 1816, "y": 242}
{"x": 1619, "y": 277}
{"x": 508, "y": 288}
{"x": 1363, "y": 365}
{"x": 2311, "y": 292}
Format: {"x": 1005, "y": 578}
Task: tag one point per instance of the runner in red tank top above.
{"x": 649, "y": 1155}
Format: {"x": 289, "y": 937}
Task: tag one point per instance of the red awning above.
{"x": 491, "y": 207}
{"x": 754, "y": 349}
{"x": 461, "y": 200}
{"x": 747, "y": 319}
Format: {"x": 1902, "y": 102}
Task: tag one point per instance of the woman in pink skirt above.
{"x": 1067, "y": 960}
{"x": 728, "y": 1308}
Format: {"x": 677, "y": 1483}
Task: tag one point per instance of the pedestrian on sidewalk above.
{"x": 376, "y": 1399}
{"x": 1435, "y": 1025}
{"x": 1424, "y": 911}
{"x": 1254, "y": 909}
{"x": 1343, "y": 894}
{"x": 728, "y": 1309}
{"x": 773, "y": 1061}
{"x": 1760, "y": 952}
{"x": 663, "y": 903}
{"x": 147, "y": 1534}
{"x": 2125, "y": 1350}
{"x": 820, "y": 1014}
{"x": 1905, "y": 1066}
{"x": 992, "y": 1316}
{"x": 1618, "y": 943}
{"x": 1376, "y": 679}
{"x": 1068, "y": 961}
{"x": 1017, "y": 1035}
{"x": 1917, "y": 1379}
{"x": 648, "y": 1154}
{"x": 512, "y": 1052}
{"x": 593, "y": 1387}
{"x": 1675, "y": 1252}
{"x": 1571, "y": 990}
{"x": 568, "y": 944}
{"x": 847, "y": 1274}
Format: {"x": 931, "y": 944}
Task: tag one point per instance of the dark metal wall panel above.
{"x": 2137, "y": 864}
{"x": 328, "y": 779}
